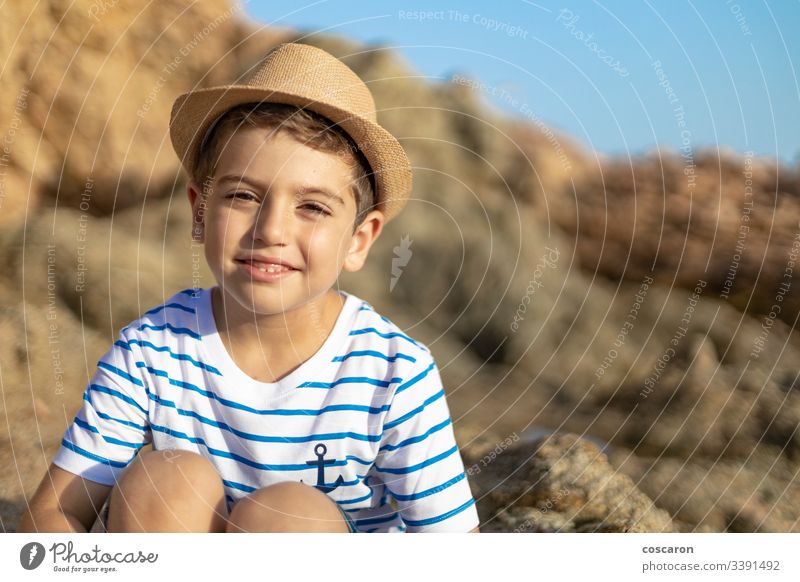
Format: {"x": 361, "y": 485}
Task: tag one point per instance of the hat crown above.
{"x": 312, "y": 73}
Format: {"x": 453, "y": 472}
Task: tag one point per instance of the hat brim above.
{"x": 194, "y": 112}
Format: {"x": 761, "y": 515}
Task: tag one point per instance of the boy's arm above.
{"x": 64, "y": 502}
{"x": 108, "y": 431}
{"x": 418, "y": 460}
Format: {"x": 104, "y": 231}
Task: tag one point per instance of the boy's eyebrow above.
{"x": 303, "y": 189}
{"x": 323, "y": 191}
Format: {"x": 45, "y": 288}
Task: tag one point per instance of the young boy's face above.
{"x": 268, "y": 205}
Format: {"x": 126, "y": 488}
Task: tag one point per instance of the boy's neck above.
{"x": 268, "y": 347}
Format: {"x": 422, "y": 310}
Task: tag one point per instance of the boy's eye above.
{"x": 240, "y": 196}
{"x": 315, "y": 208}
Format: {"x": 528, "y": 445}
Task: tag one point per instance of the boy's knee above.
{"x": 168, "y": 490}
{"x": 168, "y": 469}
{"x": 286, "y": 507}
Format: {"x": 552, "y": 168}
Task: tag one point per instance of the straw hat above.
{"x": 311, "y": 78}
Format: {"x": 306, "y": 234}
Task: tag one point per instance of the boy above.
{"x": 273, "y": 402}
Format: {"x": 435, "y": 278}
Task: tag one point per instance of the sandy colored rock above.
{"x": 90, "y": 85}
{"x": 760, "y": 493}
{"x": 562, "y": 483}
{"x": 729, "y": 219}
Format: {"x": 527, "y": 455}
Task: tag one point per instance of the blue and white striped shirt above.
{"x": 369, "y": 403}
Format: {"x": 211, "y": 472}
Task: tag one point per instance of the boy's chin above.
{"x": 262, "y": 302}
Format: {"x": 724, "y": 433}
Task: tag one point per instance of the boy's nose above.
{"x": 271, "y": 222}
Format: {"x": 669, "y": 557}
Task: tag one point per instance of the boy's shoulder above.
{"x": 182, "y": 313}
{"x": 373, "y": 329}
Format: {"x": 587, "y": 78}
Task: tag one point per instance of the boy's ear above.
{"x": 198, "y": 202}
{"x": 362, "y": 239}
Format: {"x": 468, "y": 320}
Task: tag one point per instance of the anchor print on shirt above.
{"x": 320, "y": 463}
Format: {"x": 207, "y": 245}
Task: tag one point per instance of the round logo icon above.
{"x": 31, "y": 555}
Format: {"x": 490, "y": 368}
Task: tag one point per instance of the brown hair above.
{"x": 307, "y": 127}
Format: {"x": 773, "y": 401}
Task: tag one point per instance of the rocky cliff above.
{"x": 561, "y": 292}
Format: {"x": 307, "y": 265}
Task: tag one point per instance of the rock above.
{"x": 90, "y": 85}
{"x": 759, "y": 493}
{"x": 562, "y": 483}
{"x": 732, "y": 221}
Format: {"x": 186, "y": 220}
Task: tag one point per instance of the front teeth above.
{"x": 272, "y": 268}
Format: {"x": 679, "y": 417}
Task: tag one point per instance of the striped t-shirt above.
{"x": 364, "y": 419}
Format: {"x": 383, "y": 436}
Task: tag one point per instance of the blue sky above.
{"x": 620, "y": 77}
